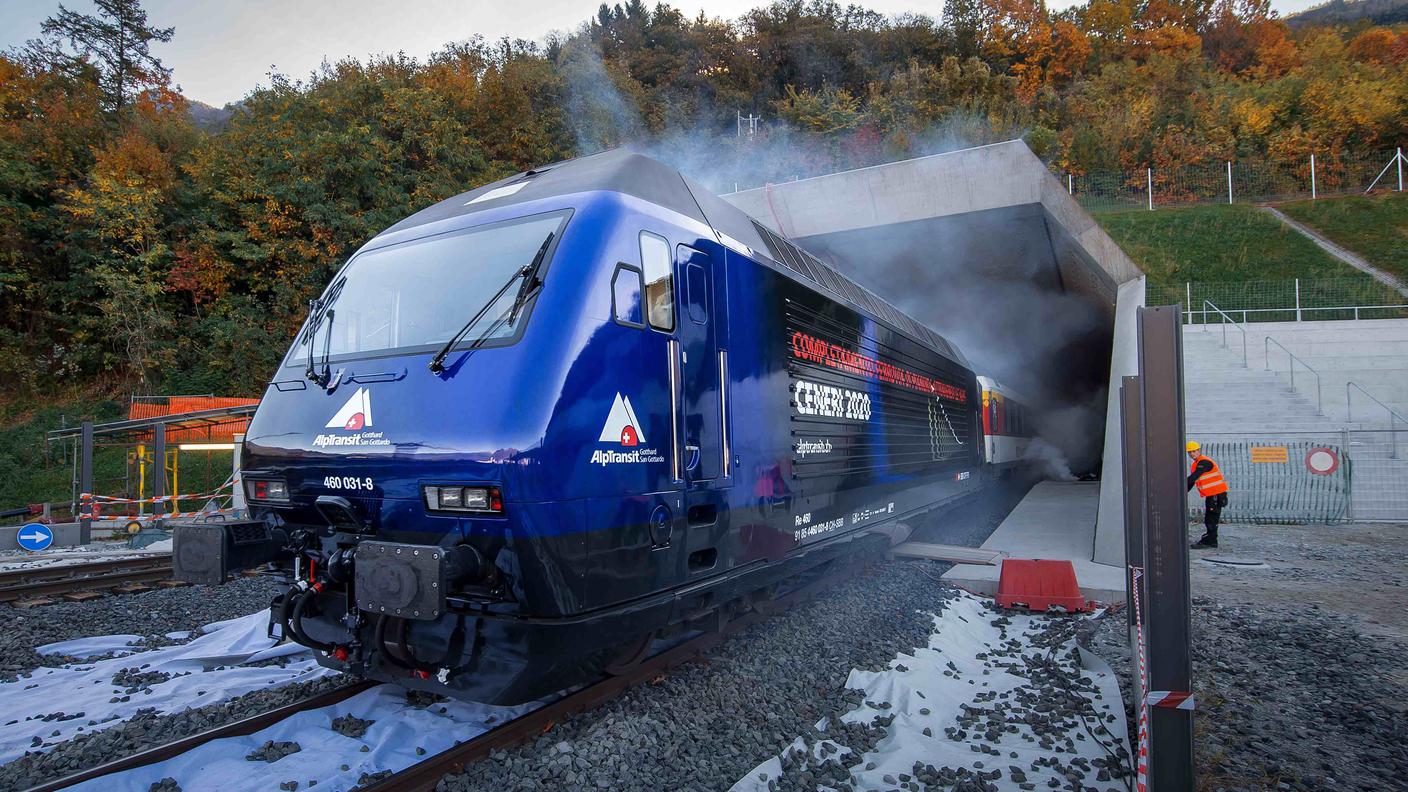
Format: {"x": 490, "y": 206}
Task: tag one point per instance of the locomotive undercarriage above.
{"x": 443, "y": 620}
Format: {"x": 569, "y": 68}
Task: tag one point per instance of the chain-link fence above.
{"x": 1309, "y": 477}
{"x": 1244, "y": 181}
{"x": 1293, "y": 300}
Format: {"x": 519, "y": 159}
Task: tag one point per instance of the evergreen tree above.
{"x": 118, "y": 42}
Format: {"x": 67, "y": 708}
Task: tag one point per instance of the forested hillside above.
{"x": 140, "y": 251}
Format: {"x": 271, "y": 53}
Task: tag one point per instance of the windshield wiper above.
{"x": 529, "y": 275}
{"x": 531, "y": 281}
{"x": 312, "y": 334}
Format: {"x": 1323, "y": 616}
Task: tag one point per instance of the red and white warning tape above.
{"x": 89, "y": 497}
{"x": 128, "y": 518}
{"x": 1172, "y": 699}
{"x": 1141, "y": 778}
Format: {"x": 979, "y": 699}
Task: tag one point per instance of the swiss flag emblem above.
{"x": 621, "y": 424}
{"x": 355, "y": 414}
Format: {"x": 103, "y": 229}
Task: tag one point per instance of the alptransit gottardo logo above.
{"x": 355, "y": 416}
{"x": 623, "y": 428}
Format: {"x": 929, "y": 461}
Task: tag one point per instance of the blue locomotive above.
{"x": 532, "y": 428}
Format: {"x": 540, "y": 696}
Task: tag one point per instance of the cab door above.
{"x": 703, "y": 398}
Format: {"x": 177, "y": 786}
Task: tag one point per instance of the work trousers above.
{"x": 1212, "y": 513}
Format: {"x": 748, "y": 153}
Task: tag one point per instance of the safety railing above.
{"x": 1393, "y": 416}
{"x": 1292, "y": 360}
{"x": 1226, "y": 320}
{"x": 1294, "y": 299}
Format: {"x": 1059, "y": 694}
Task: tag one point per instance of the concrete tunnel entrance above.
{"x": 986, "y": 247}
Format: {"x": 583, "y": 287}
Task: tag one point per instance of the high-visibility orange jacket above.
{"x": 1210, "y": 483}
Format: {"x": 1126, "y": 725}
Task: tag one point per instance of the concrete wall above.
{"x": 1124, "y": 362}
{"x": 905, "y": 229}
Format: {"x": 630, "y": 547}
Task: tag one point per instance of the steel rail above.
{"x": 1210, "y": 304}
{"x": 1393, "y": 416}
{"x": 1291, "y": 361}
{"x": 60, "y": 579}
{"x": 237, "y": 728}
{"x": 426, "y": 775}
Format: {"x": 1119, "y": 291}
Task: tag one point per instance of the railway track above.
{"x": 42, "y": 581}
{"x": 237, "y": 728}
{"x": 426, "y": 774}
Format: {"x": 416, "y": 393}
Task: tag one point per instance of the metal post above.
{"x": 236, "y": 482}
{"x": 1229, "y": 182}
{"x": 1399, "y": 152}
{"x": 85, "y": 483}
{"x": 1071, "y": 184}
{"x": 1297, "y": 299}
{"x": 1150, "y": 176}
{"x": 1188, "y": 294}
{"x": 1132, "y": 437}
{"x": 1312, "y": 177}
{"x": 1168, "y": 600}
{"x": 158, "y": 469}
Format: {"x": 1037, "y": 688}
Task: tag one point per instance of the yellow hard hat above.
{"x": 1193, "y": 445}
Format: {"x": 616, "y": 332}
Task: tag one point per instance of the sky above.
{"x": 221, "y": 50}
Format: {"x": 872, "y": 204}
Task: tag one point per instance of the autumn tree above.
{"x": 118, "y": 41}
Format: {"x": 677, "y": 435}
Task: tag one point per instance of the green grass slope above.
{"x": 1240, "y": 257}
{"x": 1375, "y": 227}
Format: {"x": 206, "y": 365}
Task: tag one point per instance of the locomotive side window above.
{"x": 658, "y": 265}
{"x": 625, "y": 295}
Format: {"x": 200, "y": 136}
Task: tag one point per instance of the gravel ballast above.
{"x": 1293, "y": 694}
{"x": 148, "y": 730}
{"x": 707, "y": 723}
{"x": 152, "y": 614}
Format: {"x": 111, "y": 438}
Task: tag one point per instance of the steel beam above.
{"x": 1132, "y": 439}
{"x": 85, "y": 481}
{"x": 158, "y": 467}
{"x": 1167, "y": 599}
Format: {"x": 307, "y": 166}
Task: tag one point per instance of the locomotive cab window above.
{"x": 658, "y": 267}
{"x": 625, "y": 296}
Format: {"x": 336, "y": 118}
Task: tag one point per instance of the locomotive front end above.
{"x": 394, "y": 469}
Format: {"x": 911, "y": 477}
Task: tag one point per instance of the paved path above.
{"x": 1348, "y": 257}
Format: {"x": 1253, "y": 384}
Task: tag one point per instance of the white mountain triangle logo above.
{"x": 355, "y": 414}
{"x": 621, "y": 425}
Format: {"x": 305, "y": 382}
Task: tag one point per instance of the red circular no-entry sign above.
{"x": 1322, "y": 461}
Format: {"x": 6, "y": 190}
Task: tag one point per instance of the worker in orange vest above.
{"x": 1207, "y": 477}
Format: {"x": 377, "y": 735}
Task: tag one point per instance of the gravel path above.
{"x": 708, "y": 723}
{"x": 151, "y": 614}
{"x": 1294, "y": 694}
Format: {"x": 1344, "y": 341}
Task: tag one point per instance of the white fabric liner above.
{"x": 88, "y": 687}
{"x": 961, "y": 632}
{"x": 220, "y": 766}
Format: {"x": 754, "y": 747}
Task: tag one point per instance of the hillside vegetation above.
{"x": 141, "y": 252}
{"x": 1375, "y": 227}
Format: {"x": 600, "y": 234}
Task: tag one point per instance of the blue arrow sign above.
{"x": 35, "y": 537}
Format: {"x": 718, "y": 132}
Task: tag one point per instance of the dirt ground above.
{"x": 1357, "y": 571}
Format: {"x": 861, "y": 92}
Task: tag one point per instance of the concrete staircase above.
{"x": 1224, "y": 398}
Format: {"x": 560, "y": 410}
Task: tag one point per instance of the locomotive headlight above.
{"x": 268, "y": 490}
{"x": 479, "y": 500}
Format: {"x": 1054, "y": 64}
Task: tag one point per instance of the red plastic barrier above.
{"x": 1040, "y": 585}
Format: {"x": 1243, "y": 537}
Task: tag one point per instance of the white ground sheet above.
{"x": 212, "y": 668}
{"x": 962, "y": 632}
{"x": 390, "y": 744}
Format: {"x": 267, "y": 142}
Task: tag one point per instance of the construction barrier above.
{"x": 1276, "y": 480}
